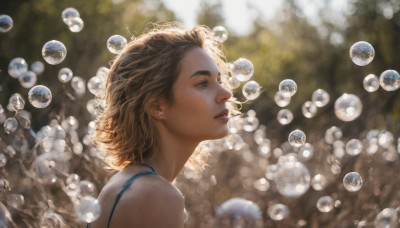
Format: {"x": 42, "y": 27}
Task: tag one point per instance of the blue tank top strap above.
{"x": 125, "y": 187}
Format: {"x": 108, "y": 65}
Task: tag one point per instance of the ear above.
{"x": 156, "y": 108}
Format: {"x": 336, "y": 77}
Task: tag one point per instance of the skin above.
{"x": 152, "y": 201}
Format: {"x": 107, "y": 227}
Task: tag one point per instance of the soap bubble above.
{"x": 54, "y": 52}
{"x": 70, "y": 124}
{"x": 51, "y": 219}
{"x": 6, "y": 23}
{"x": 68, "y": 14}
{"x": 362, "y": 53}
{"x": 88, "y": 209}
{"x": 292, "y": 178}
{"x": 390, "y": 80}
{"x": 319, "y": 182}
{"x": 309, "y": 109}
{"x": 352, "y": 181}
{"x": 65, "y": 75}
{"x": 297, "y": 138}
{"x": 96, "y": 86}
{"x": 278, "y": 212}
{"x": 116, "y": 43}
{"x": 287, "y": 87}
{"x": 306, "y": 152}
{"x": 371, "y": 83}
{"x": 348, "y": 107}
{"x": 250, "y": 123}
{"x": 261, "y": 185}
{"x": 39, "y": 96}
{"x": 79, "y": 85}
{"x": 285, "y": 116}
{"x": 17, "y": 67}
{"x": 239, "y": 211}
{"x": 10, "y": 125}
{"x": 354, "y": 147}
{"x": 220, "y": 33}
{"x": 325, "y": 204}
{"x": 333, "y": 134}
{"x": 87, "y": 188}
{"x": 251, "y": 90}
{"x": 387, "y": 218}
{"x": 72, "y": 187}
{"x": 281, "y": 100}
{"x": 385, "y": 138}
{"x": 75, "y": 24}
{"x": 37, "y": 67}
{"x": 232, "y": 82}
{"x": 16, "y": 102}
{"x": 271, "y": 172}
{"x": 16, "y": 201}
{"x": 44, "y": 168}
{"x": 264, "y": 148}
{"x": 3, "y": 160}
{"x": 320, "y": 98}
{"x": 28, "y": 79}
{"x": 242, "y": 69}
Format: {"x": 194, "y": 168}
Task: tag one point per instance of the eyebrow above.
{"x": 203, "y": 72}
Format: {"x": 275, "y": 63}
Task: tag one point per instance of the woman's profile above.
{"x": 164, "y": 95}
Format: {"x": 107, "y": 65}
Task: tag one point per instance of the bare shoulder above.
{"x": 151, "y": 201}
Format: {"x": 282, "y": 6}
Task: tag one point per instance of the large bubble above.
{"x": 278, "y": 212}
{"x": 88, "y": 209}
{"x": 285, "y": 116}
{"x": 352, "y": 181}
{"x": 242, "y": 69}
{"x": 17, "y": 67}
{"x": 68, "y": 14}
{"x": 220, "y": 33}
{"x": 6, "y": 23}
{"x": 371, "y": 83}
{"x": 390, "y": 80}
{"x": 287, "y": 87}
{"x": 292, "y": 178}
{"x": 54, "y": 52}
{"x": 251, "y": 90}
{"x": 362, "y": 53}
{"x": 39, "y": 96}
{"x": 239, "y": 212}
{"x": 325, "y": 204}
{"x": 116, "y": 43}
{"x": 348, "y": 107}
{"x": 297, "y": 138}
{"x": 320, "y": 98}
{"x": 28, "y": 79}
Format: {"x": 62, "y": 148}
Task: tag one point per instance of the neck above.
{"x": 171, "y": 156}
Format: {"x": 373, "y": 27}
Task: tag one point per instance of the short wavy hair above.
{"x": 145, "y": 70}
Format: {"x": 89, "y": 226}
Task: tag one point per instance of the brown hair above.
{"x": 146, "y": 70}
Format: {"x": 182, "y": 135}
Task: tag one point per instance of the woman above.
{"x": 164, "y": 96}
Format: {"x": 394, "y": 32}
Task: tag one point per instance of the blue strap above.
{"x": 125, "y": 187}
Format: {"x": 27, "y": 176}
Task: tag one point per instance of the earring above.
{"x": 161, "y": 116}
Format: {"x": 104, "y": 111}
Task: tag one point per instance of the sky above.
{"x": 238, "y": 15}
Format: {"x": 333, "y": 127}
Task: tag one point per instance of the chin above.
{"x": 221, "y": 133}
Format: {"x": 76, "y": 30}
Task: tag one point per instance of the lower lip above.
{"x": 223, "y": 117}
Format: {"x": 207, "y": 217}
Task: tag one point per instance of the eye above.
{"x": 203, "y": 83}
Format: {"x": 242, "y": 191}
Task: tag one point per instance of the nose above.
{"x": 223, "y": 95}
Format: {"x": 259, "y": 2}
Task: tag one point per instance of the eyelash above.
{"x": 205, "y": 83}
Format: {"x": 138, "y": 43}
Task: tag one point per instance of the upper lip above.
{"x": 224, "y": 112}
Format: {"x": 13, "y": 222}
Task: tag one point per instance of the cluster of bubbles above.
{"x": 55, "y": 146}
{"x": 71, "y": 18}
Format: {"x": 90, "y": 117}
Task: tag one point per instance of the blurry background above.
{"x": 303, "y": 40}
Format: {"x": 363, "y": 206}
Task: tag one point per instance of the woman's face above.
{"x": 199, "y": 111}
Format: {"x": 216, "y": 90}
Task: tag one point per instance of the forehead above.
{"x": 197, "y": 59}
